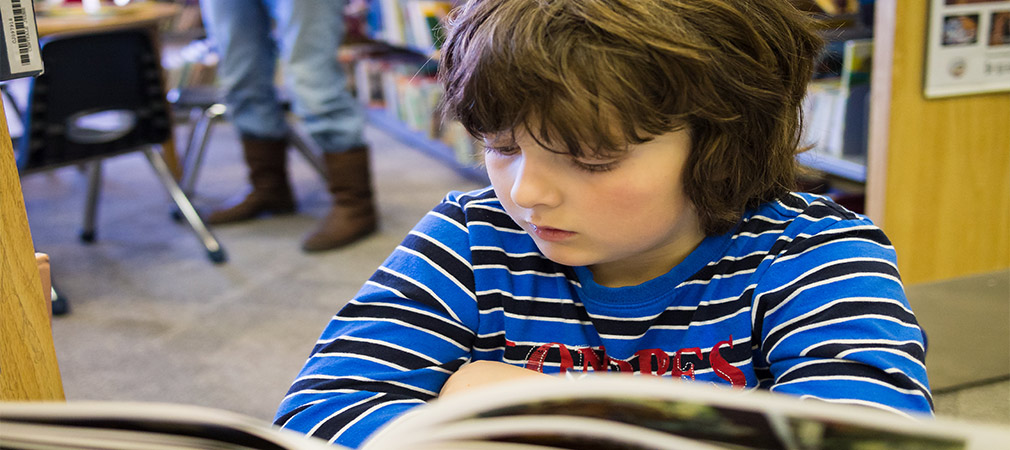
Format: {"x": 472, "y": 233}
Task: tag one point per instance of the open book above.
{"x": 598, "y": 412}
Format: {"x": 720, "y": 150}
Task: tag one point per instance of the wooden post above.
{"x": 28, "y": 366}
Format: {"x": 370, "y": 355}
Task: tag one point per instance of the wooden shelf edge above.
{"x": 850, "y": 170}
{"x": 379, "y": 118}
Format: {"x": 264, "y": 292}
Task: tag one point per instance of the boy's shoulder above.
{"x": 483, "y": 196}
{"x": 480, "y": 205}
{"x": 802, "y": 213}
{"x": 480, "y": 208}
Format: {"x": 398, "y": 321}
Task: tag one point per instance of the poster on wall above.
{"x": 968, "y": 47}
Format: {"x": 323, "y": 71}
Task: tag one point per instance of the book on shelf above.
{"x": 836, "y": 108}
{"x": 855, "y": 80}
{"x": 601, "y": 411}
{"x": 414, "y": 24}
{"x": 388, "y": 17}
{"x": 426, "y": 20}
{"x": 401, "y": 87}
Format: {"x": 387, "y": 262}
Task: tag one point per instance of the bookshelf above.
{"x": 835, "y": 110}
{"x": 840, "y": 26}
{"x": 394, "y": 78}
{"x": 935, "y": 173}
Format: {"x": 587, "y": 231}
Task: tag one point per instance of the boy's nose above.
{"x": 534, "y": 185}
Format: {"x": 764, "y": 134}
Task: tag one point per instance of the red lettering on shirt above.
{"x": 677, "y": 370}
{"x": 653, "y": 361}
{"x": 535, "y": 362}
{"x": 723, "y": 368}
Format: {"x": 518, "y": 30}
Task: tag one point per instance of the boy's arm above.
{"x": 394, "y": 345}
{"x": 485, "y": 373}
{"x": 834, "y": 323}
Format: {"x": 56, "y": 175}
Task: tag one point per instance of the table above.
{"x": 72, "y": 19}
{"x": 967, "y": 321}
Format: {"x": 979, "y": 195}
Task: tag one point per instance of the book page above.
{"x": 556, "y": 431}
{"x": 713, "y": 415}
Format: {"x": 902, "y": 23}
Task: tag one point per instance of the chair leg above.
{"x": 61, "y": 305}
{"x": 305, "y": 145}
{"x": 197, "y": 144}
{"x": 214, "y": 250}
{"x": 91, "y": 204}
{"x": 195, "y": 118}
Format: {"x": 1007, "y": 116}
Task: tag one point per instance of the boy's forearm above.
{"x": 484, "y": 373}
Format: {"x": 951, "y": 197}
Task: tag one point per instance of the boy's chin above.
{"x": 566, "y": 256}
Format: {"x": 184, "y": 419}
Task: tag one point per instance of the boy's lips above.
{"x": 551, "y": 234}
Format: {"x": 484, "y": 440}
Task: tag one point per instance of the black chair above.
{"x": 102, "y": 95}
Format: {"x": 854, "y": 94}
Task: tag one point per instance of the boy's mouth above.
{"x": 551, "y": 234}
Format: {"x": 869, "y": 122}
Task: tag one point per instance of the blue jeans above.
{"x": 250, "y": 35}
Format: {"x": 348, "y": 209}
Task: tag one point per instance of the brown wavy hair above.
{"x": 593, "y": 76}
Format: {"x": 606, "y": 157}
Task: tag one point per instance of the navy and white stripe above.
{"x": 802, "y": 297}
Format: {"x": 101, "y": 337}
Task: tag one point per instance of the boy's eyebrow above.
{"x": 500, "y": 138}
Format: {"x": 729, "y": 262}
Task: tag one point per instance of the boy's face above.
{"x": 626, "y": 218}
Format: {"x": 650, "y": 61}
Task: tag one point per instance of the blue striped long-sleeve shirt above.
{"x": 802, "y": 297}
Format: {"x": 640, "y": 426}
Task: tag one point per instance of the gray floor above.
{"x": 153, "y": 320}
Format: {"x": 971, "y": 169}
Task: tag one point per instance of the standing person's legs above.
{"x": 241, "y": 31}
{"x": 310, "y": 33}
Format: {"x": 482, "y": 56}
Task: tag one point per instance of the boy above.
{"x": 639, "y": 220}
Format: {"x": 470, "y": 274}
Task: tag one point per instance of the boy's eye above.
{"x": 594, "y": 165}
{"x": 502, "y": 150}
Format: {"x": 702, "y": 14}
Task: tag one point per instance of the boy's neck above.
{"x": 633, "y": 272}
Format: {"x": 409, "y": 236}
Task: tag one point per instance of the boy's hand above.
{"x": 484, "y": 373}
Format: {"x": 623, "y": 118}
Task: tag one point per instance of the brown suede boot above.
{"x": 268, "y": 175}
{"x": 353, "y": 213}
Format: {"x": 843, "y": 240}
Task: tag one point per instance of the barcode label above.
{"x": 20, "y": 36}
{"x": 21, "y": 32}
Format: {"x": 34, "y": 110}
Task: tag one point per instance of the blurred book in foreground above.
{"x": 597, "y": 412}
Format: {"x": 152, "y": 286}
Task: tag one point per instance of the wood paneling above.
{"x": 939, "y": 175}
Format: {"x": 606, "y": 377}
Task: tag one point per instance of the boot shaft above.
{"x": 266, "y": 160}
{"x": 349, "y": 178}
{"x": 353, "y": 215}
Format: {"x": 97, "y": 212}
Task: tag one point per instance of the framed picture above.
{"x": 968, "y": 47}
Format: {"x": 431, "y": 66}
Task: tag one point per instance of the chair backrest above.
{"x": 101, "y": 95}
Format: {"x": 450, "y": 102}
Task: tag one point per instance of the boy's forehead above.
{"x": 499, "y": 137}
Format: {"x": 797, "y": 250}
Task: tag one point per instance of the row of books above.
{"x": 415, "y": 24}
{"x": 836, "y": 109}
{"x": 405, "y": 88}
